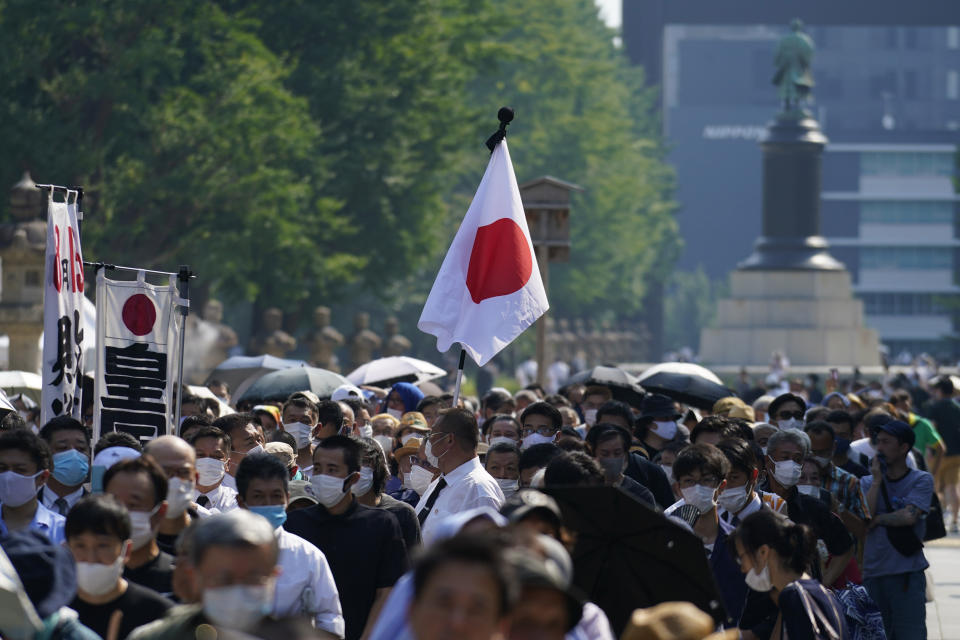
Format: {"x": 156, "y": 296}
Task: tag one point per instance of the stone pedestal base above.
{"x": 811, "y": 316}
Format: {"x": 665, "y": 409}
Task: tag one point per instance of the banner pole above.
{"x": 456, "y": 388}
{"x": 183, "y": 275}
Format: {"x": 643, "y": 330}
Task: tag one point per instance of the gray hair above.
{"x": 238, "y": 528}
{"x": 795, "y": 436}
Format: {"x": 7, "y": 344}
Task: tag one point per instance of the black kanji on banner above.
{"x": 68, "y": 363}
{"x": 133, "y": 400}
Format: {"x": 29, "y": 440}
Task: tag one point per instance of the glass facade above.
{"x": 906, "y": 212}
{"x": 906, "y": 258}
{"x": 907, "y": 164}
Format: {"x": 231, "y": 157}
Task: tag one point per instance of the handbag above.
{"x": 903, "y": 538}
{"x": 935, "y": 527}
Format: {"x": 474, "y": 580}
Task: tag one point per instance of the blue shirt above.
{"x": 45, "y": 521}
{"x": 879, "y": 556}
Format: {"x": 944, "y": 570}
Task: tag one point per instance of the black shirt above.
{"x": 138, "y": 604}
{"x": 652, "y": 477}
{"x": 639, "y": 492}
{"x": 365, "y": 549}
{"x": 815, "y": 514}
{"x": 946, "y": 418}
{"x": 156, "y": 574}
{"x": 407, "y": 518}
{"x": 168, "y": 541}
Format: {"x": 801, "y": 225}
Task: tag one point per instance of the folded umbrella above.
{"x": 685, "y": 382}
{"x": 628, "y": 556}
{"x": 623, "y": 385}
{"x": 384, "y": 372}
{"x": 278, "y": 385}
{"x": 241, "y": 371}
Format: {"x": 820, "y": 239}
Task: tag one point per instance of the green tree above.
{"x": 690, "y": 306}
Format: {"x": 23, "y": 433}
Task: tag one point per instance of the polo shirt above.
{"x": 44, "y": 521}
{"x": 365, "y": 549}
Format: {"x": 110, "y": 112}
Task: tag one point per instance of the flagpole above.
{"x": 183, "y": 276}
{"x": 456, "y": 388}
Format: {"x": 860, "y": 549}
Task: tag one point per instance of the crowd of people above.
{"x": 386, "y": 513}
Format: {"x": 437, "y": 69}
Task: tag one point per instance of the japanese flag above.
{"x": 489, "y": 288}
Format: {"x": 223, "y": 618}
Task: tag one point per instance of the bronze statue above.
{"x": 793, "y": 58}
{"x": 323, "y": 340}
{"x": 394, "y": 343}
{"x": 272, "y": 339}
{"x": 363, "y": 342}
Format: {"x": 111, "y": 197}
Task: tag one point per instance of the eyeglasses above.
{"x": 543, "y": 431}
{"x": 786, "y": 415}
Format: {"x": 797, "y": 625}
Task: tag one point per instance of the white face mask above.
{"x": 395, "y": 413}
{"x": 668, "y": 471}
{"x": 666, "y": 430}
{"x": 809, "y": 490}
{"x": 255, "y": 450}
{"x": 365, "y": 483}
{"x": 759, "y": 581}
{"x": 300, "y": 432}
{"x": 509, "y": 487}
{"x": 366, "y": 431}
{"x": 733, "y": 500}
{"x": 141, "y": 530}
{"x": 385, "y": 442}
{"x": 536, "y": 438}
{"x": 501, "y": 439}
{"x": 238, "y": 606}
{"x": 405, "y": 438}
{"x": 328, "y": 490}
{"x": 787, "y": 472}
{"x": 179, "y": 495}
{"x": 16, "y": 490}
{"x": 791, "y": 423}
{"x": 590, "y": 417}
{"x": 821, "y": 461}
{"x": 432, "y": 458}
{"x": 97, "y": 579}
{"x": 420, "y": 479}
{"x": 700, "y": 496}
{"x": 210, "y": 471}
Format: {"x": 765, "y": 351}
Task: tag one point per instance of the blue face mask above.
{"x": 276, "y": 514}
{"x": 70, "y": 467}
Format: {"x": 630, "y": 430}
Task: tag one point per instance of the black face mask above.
{"x": 842, "y": 447}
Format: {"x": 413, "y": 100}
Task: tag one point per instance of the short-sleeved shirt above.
{"x": 467, "y": 487}
{"x": 406, "y": 516}
{"x": 845, "y": 487}
{"x": 880, "y": 558}
{"x": 945, "y": 415}
{"x": 797, "y": 624}
{"x": 138, "y": 604}
{"x": 365, "y": 549}
{"x": 306, "y": 585}
{"x": 926, "y": 434}
{"x": 156, "y": 574}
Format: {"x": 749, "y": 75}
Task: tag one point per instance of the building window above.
{"x": 906, "y": 164}
{"x": 906, "y": 258}
{"x": 906, "y": 212}
{"x": 903, "y": 304}
{"x": 31, "y": 278}
{"x": 953, "y": 37}
{"x": 953, "y": 84}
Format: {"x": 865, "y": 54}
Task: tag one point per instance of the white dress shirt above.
{"x": 468, "y": 486}
{"x": 222, "y": 499}
{"x": 305, "y": 585}
{"x": 229, "y": 481}
{"x": 48, "y": 497}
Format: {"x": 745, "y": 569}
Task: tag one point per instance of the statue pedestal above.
{"x": 811, "y": 315}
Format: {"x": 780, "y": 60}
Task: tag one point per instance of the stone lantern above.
{"x": 546, "y": 203}
{"x": 22, "y": 252}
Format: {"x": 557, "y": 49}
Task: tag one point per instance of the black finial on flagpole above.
{"x": 505, "y": 116}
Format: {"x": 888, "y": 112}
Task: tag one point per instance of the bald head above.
{"x": 173, "y": 454}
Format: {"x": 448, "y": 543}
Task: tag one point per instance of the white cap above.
{"x": 345, "y": 391}
{"x": 112, "y": 455}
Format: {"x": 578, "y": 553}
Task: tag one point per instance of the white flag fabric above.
{"x": 489, "y": 288}
{"x": 138, "y": 345}
{"x": 63, "y": 329}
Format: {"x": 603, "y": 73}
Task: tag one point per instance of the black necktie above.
{"x": 203, "y": 501}
{"x": 62, "y": 506}
{"x": 422, "y": 516}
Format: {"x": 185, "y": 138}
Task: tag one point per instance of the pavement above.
{"x": 943, "y": 615}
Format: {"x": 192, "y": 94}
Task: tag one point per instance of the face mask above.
{"x": 811, "y": 490}
{"x": 365, "y": 483}
{"x": 759, "y": 581}
{"x": 764, "y": 450}
{"x": 300, "y": 432}
{"x": 97, "y": 579}
{"x": 210, "y": 471}
{"x": 420, "y": 479}
{"x": 238, "y": 606}
{"x": 509, "y": 487}
{"x": 385, "y": 442}
{"x": 396, "y": 414}
{"x": 328, "y": 490}
{"x": 536, "y": 438}
{"x": 791, "y": 423}
{"x": 612, "y": 467}
{"x": 255, "y": 450}
{"x": 502, "y": 440}
{"x": 821, "y": 462}
{"x": 179, "y": 495}
{"x": 406, "y": 481}
{"x": 700, "y": 496}
{"x": 405, "y": 438}
{"x": 733, "y": 499}
{"x": 668, "y": 471}
{"x": 366, "y": 431}
{"x": 787, "y": 472}
{"x": 276, "y": 514}
{"x": 17, "y": 490}
{"x": 666, "y": 430}
{"x": 433, "y": 459}
{"x": 842, "y": 446}
{"x": 70, "y": 467}
{"x": 141, "y": 530}
{"x": 590, "y": 417}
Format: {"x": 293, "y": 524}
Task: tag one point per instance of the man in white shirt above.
{"x": 305, "y": 585}
{"x": 463, "y": 483}
{"x": 69, "y": 442}
{"x": 212, "y": 447}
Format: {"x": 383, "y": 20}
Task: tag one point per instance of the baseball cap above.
{"x": 283, "y": 451}
{"x": 526, "y": 501}
{"x": 345, "y": 391}
{"x": 300, "y": 490}
{"x": 899, "y": 430}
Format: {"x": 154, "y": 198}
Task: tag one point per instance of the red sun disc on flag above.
{"x": 500, "y": 263}
{"x": 139, "y": 314}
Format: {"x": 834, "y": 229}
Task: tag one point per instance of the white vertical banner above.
{"x": 63, "y": 329}
{"x": 139, "y": 329}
